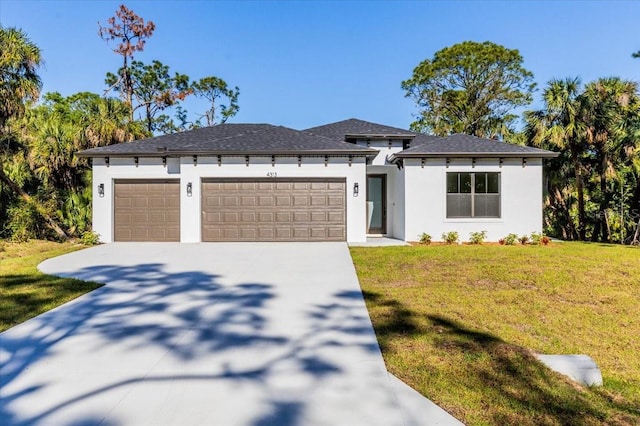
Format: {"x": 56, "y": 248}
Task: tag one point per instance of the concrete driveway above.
{"x": 190, "y": 334}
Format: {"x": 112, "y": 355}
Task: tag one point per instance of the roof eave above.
{"x": 261, "y": 153}
{"x": 378, "y": 136}
{"x": 478, "y": 155}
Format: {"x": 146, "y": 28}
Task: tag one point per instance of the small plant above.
{"x": 501, "y": 241}
{"x": 524, "y": 239}
{"x": 90, "y": 238}
{"x": 424, "y": 238}
{"x": 535, "y": 238}
{"x": 450, "y": 237}
{"x": 477, "y": 237}
{"x": 510, "y": 239}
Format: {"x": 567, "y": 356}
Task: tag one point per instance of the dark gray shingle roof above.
{"x": 461, "y": 145}
{"x": 233, "y": 139}
{"x": 353, "y": 127}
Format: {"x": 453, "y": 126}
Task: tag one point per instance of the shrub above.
{"x": 501, "y": 241}
{"x": 535, "y": 238}
{"x": 477, "y": 237}
{"x": 90, "y": 238}
{"x": 424, "y": 238}
{"x": 450, "y": 237}
{"x": 510, "y": 239}
{"x": 524, "y": 239}
{"x": 23, "y": 222}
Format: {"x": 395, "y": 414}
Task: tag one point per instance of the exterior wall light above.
{"x": 101, "y": 190}
{"x": 189, "y": 189}
{"x": 356, "y": 189}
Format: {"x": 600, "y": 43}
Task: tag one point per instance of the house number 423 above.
{"x": 272, "y": 174}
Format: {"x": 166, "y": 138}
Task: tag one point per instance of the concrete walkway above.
{"x": 224, "y": 334}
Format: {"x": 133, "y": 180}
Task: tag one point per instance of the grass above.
{"x": 461, "y": 323}
{"x": 24, "y": 291}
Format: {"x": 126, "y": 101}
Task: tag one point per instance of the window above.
{"x": 473, "y": 194}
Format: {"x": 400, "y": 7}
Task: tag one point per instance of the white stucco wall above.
{"x": 425, "y": 198}
{"x": 385, "y": 150}
{"x": 207, "y": 167}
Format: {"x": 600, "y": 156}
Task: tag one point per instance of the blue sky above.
{"x": 303, "y": 63}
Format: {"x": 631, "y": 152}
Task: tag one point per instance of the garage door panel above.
{"x": 283, "y": 217}
{"x": 266, "y": 217}
{"x": 301, "y": 233}
{"x": 319, "y": 185}
{"x": 293, "y": 210}
{"x": 300, "y": 200}
{"x": 230, "y": 234}
{"x": 335, "y": 217}
{"x": 248, "y": 201}
{"x": 248, "y": 217}
{"x": 283, "y": 233}
{"x": 319, "y": 232}
{"x": 140, "y": 203}
{"x": 284, "y": 186}
{"x": 248, "y": 233}
{"x": 230, "y": 201}
{"x": 318, "y": 200}
{"x": 266, "y": 234}
{"x": 335, "y": 232}
{"x": 230, "y": 217}
{"x": 147, "y": 210}
{"x": 301, "y": 217}
{"x": 283, "y": 201}
{"x": 265, "y": 201}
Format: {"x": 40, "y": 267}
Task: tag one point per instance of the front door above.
{"x": 376, "y": 204}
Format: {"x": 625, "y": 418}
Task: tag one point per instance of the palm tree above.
{"x": 19, "y": 82}
{"x": 19, "y": 85}
{"x": 608, "y": 107}
{"x": 559, "y": 127}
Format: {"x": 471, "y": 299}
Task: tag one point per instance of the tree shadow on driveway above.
{"x": 150, "y": 330}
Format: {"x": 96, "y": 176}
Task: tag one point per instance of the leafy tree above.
{"x": 470, "y": 88}
{"x": 154, "y": 90}
{"x": 19, "y": 85}
{"x": 559, "y": 127}
{"x": 213, "y": 89}
{"x": 610, "y": 107}
{"x": 597, "y": 132}
{"x": 131, "y": 32}
{"x": 19, "y": 82}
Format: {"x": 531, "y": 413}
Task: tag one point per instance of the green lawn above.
{"x": 460, "y": 324}
{"x": 24, "y": 291}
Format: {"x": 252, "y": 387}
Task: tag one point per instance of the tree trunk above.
{"x": 636, "y": 236}
{"x": 128, "y": 87}
{"x": 582, "y": 231}
{"x": 568, "y": 230}
{"x": 601, "y": 226}
{"x": 27, "y": 198}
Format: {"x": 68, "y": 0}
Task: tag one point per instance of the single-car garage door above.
{"x": 147, "y": 210}
{"x": 273, "y": 210}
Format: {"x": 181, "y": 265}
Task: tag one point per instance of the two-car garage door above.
{"x": 273, "y": 210}
{"x": 234, "y": 210}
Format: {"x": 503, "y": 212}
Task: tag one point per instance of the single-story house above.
{"x": 338, "y": 182}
